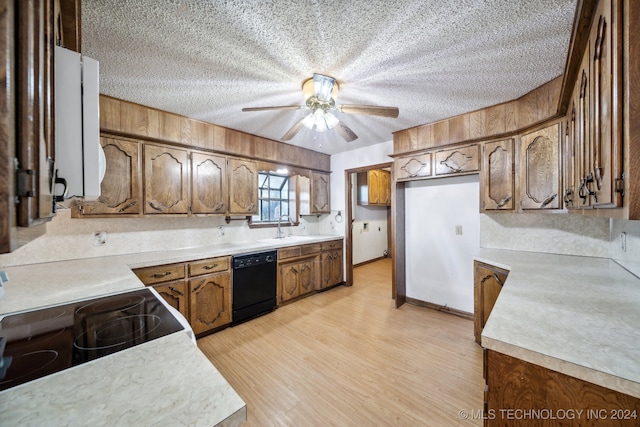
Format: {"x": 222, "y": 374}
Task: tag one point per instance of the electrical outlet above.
{"x": 623, "y": 241}
{"x": 99, "y": 238}
{"x": 458, "y": 230}
{"x": 220, "y": 230}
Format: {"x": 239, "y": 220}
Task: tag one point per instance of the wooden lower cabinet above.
{"x": 175, "y": 293}
{"x": 200, "y": 290}
{"x": 520, "y": 393}
{"x": 297, "y": 278}
{"x": 331, "y": 261}
{"x": 210, "y": 302}
{"x": 487, "y": 284}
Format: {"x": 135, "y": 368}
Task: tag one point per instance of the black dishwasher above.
{"x": 254, "y": 285}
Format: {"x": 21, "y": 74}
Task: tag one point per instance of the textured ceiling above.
{"x": 431, "y": 59}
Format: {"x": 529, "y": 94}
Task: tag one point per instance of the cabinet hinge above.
{"x": 619, "y": 185}
{"x": 26, "y": 183}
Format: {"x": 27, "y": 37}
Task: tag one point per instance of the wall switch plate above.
{"x": 99, "y": 238}
{"x": 458, "y": 230}
{"x": 623, "y": 241}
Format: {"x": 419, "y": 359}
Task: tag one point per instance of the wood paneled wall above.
{"x": 496, "y": 121}
{"x": 125, "y": 118}
{"x": 632, "y": 109}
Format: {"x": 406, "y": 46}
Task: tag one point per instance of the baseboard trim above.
{"x": 442, "y": 308}
{"x": 369, "y": 261}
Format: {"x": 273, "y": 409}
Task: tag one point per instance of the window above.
{"x": 273, "y": 197}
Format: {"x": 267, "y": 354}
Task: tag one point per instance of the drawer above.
{"x": 160, "y": 273}
{"x": 206, "y": 266}
{"x": 335, "y": 244}
{"x": 311, "y": 249}
{"x": 292, "y": 252}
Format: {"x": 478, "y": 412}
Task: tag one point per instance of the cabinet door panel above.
{"x": 458, "y": 160}
{"x": 166, "y": 180}
{"x": 487, "y": 284}
{"x": 540, "y": 169}
{"x": 208, "y": 184}
{"x": 497, "y": 183}
{"x": 320, "y": 193}
{"x": 289, "y": 281}
{"x": 175, "y": 293}
{"x": 385, "y": 187}
{"x": 307, "y": 277}
{"x": 412, "y": 167}
{"x": 210, "y": 305}
{"x": 243, "y": 188}
{"x": 607, "y": 127}
{"x": 120, "y": 188}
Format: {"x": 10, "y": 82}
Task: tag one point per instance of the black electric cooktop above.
{"x": 38, "y": 343}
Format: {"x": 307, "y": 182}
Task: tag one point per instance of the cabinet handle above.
{"x": 548, "y": 200}
{"x": 155, "y": 207}
{"x": 176, "y": 291}
{"x": 159, "y": 275}
{"x": 585, "y": 189}
{"x": 304, "y": 267}
{"x": 568, "y": 198}
{"x": 495, "y": 276}
{"x": 198, "y": 286}
{"x": 209, "y": 267}
{"x": 504, "y": 202}
{"x": 251, "y": 206}
{"x": 219, "y": 206}
{"x": 124, "y": 208}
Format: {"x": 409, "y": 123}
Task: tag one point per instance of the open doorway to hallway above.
{"x": 368, "y": 235}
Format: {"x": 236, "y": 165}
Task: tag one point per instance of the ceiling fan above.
{"x": 320, "y": 93}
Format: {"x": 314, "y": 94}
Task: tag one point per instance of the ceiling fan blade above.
{"x": 323, "y": 86}
{"x": 347, "y": 134}
{"x": 372, "y": 110}
{"x": 294, "y": 130}
{"x": 282, "y": 107}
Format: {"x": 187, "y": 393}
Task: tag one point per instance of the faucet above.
{"x": 279, "y": 232}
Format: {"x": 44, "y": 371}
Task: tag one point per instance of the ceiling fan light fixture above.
{"x": 309, "y": 121}
{"x": 309, "y": 88}
{"x": 331, "y": 120}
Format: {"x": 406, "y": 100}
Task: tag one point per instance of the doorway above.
{"x": 368, "y": 228}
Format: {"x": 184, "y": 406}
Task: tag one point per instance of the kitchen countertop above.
{"x": 167, "y": 381}
{"x": 571, "y": 314}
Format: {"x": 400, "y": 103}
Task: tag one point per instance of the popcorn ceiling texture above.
{"x": 432, "y": 60}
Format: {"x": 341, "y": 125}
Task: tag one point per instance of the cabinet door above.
{"x": 385, "y": 187}
{"x": 412, "y": 167}
{"x": 210, "y": 305}
{"x": 308, "y": 276}
{"x": 120, "y": 188}
{"x": 497, "y": 183}
{"x": 166, "y": 180}
{"x": 320, "y": 193}
{"x": 540, "y": 169}
{"x": 209, "y": 193}
{"x": 243, "y": 187}
{"x": 289, "y": 274}
{"x": 457, "y": 160}
{"x": 583, "y": 179}
{"x": 34, "y": 43}
{"x": 374, "y": 184}
{"x": 606, "y": 98}
{"x": 175, "y": 293}
{"x": 336, "y": 267}
{"x": 487, "y": 284}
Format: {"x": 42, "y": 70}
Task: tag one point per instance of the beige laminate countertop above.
{"x": 167, "y": 381}
{"x": 575, "y": 315}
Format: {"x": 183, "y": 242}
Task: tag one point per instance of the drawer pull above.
{"x": 176, "y": 291}
{"x": 495, "y": 276}
{"x": 159, "y": 275}
{"x": 155, "y": 207}
{"x": 209, "y": 267}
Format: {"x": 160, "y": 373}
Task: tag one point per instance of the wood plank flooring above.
{"x": 347, "y": 357}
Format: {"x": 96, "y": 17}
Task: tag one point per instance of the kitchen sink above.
{"x": 286, "y": 239}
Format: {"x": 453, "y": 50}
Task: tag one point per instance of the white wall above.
{"x": 629, "y": 259}
{"x": 370, "y": 239}
{"x": 439, "y": 266}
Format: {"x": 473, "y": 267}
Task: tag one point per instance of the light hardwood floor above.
{"x": 347, "y": 357}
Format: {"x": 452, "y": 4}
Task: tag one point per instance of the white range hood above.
{"x": 78, "y": 154}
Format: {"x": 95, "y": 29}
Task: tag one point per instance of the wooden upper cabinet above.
{"x": 374, "y": 187}
{"x": 320, "y": 193}
{"x": 209, "y": 191}
{"x": 120, "y": 188}
{"x": 459, "y": 160}
{"x": 606, "y": 36}
{"x": 497, "y": 177}
{"x": 540, "y": 169}
{"x": 166, "y": 180}
{"x": 243, "y": 187}
{"x": 412, "y": 167}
